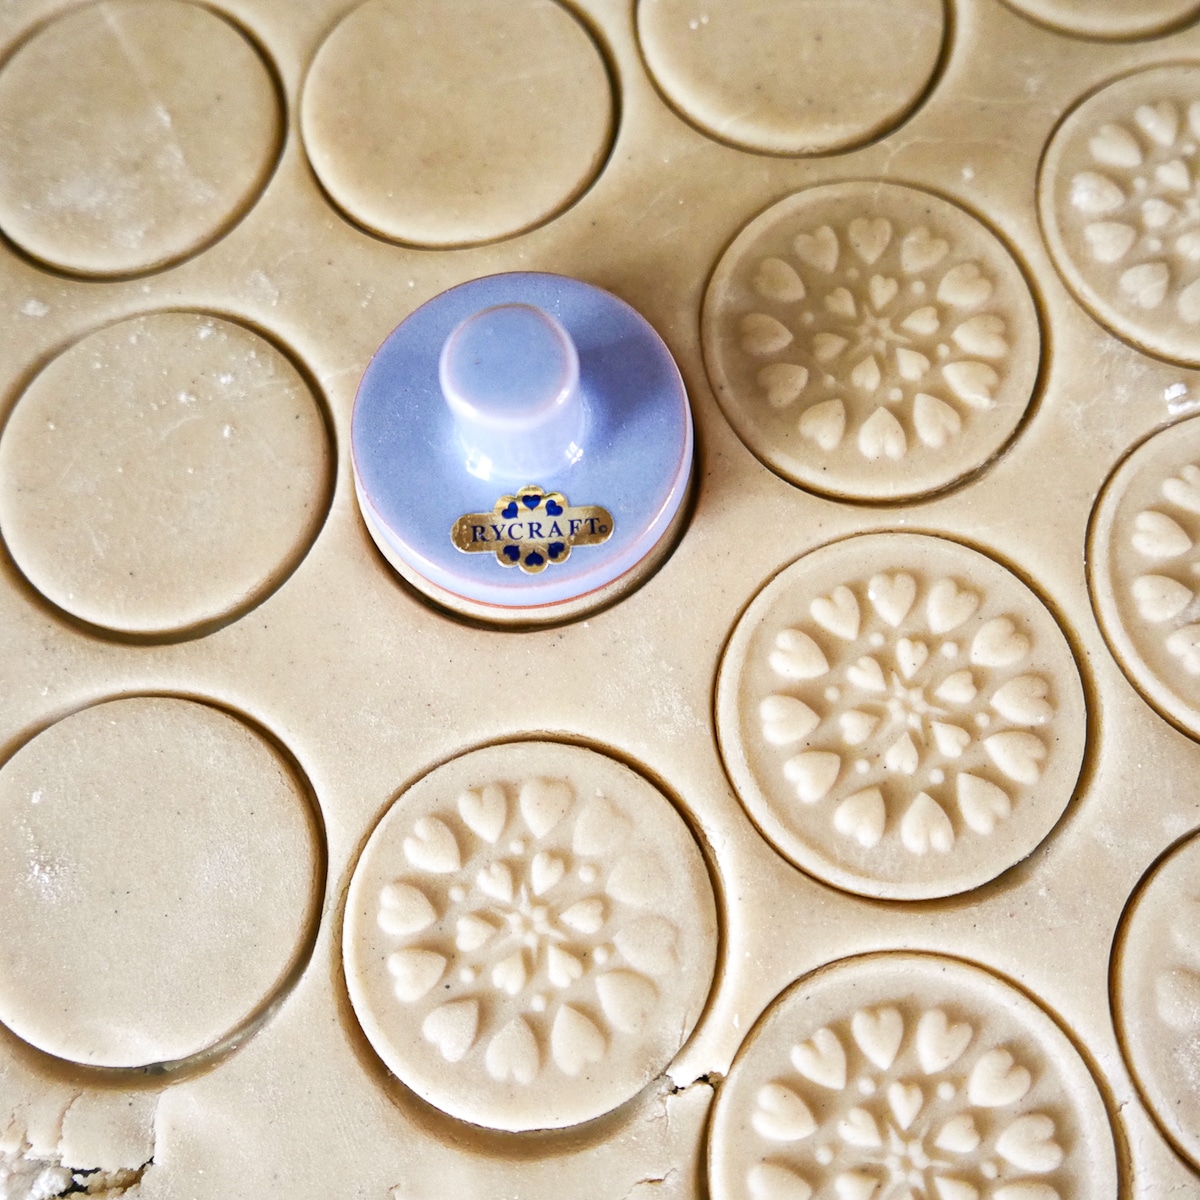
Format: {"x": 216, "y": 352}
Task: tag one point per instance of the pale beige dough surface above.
{"x": 792, "y": 78}
{"x": 871, "y": 341}
{"x": 530, "y": 936}
{"x": 1146, "y": 570}
{"x": 159, "y": 869}
{"x": 1156, "y": 982}
{"x": 133, "y": 133}
{"x": 905, "y": 1075}
{"x": 163, "y": 473}
{"x": 1119, "y": 206}
{"x": 901, "y": 716}
{"x": 448, "y": 122}
{"x": 1109, "y": 18}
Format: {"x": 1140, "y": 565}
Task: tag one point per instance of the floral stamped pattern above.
{"x": 1122, "y": 201}
{"x": 900, "y": 719}
{"x": 530, "y": 940}
{"x": 912, "y": 1095}
{"x": 882, "y": 346}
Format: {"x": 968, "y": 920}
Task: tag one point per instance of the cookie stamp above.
{"x": 1156, "y": 991}
{"x": 1115, "y": 19}
{"x": 871, "y": 341}
{"x": 1119, "y": 212}
{"x": 903, "y": 1075}
{"x": 530, "y": 936}
{"x": 1144, "y": 570}
{"x": 901, "y": 716}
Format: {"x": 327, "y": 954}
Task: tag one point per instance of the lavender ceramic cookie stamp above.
{"x": 897, "y": 1076}
{"x": 530, "y": 936}
{"x": 871, "y": 341}
{"x": 1145, "y": 570}
{"x": 901, "y": 716}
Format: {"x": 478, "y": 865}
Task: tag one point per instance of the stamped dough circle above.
{"x": 871, "y": 341}
{"x": 793, "y": 78}
{"x": 1119, "y": 213}
{"x": 163, "y": 473}
{"x": 132, "y": 133}
{"x": 1109, "y": 18}
{"x": 158, "y": 873}
{"x": 1144, "y": 570}
{"x": 901, "y": 716}
{"x": 908, "y": 1075}
{"x": 530, "y": 936}
{"x": 1157, "y": 994}
{"x": 445, "y": 129}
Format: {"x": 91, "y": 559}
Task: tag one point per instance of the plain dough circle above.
{"x": 443, "y": 124}
{"x": 158, "y": 871}
{"x": 163, "y": 473}
{"x": 132, "y": 133}
{"x": 530, "y": 935}
{"x": 1143, "y": 569}
{"x": 1114, "y": 19}
{"x": 901, "y": 716}
{"x": 1156, "y": 993}
{"x": 1116, "y": 204}
{"x": 908, "y": 1075}
{"x": 793, "y": 78}
{"x": 871, "y": 341}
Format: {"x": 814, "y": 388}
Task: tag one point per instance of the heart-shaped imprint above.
{"x": 575, "y": 1042}
{"x": 878, "y": 1034}
{"x": 627, "y": 999}
{"x": 509, "y": 974}
{"x": 797, "y": 656}
{"x": 840, "y": 302}
{"x": 911, "y": 656}
{"x": 939, "y": 1043}
{"x": 882, "y": 289}
{"x": 858, "y": 1128}
{"x": 926, "y": 827}
{"x": 822, "y": 1060}
{"x": 431, "y": 847}
{"x": 1157, "y": 536}
{"x": 649, "y": 945}
{"x": 983, "y": 335}
{"x": 920, "y": 250}
{"x": 892, "y": 595}
{"x": 1019, "y": 755}
{"x": 1158, "y": 121}
{"x": 911, "y": 364}
{"x": 812, "y": 774}
{"x": 867, "y": 674}
{"x": 513, "y": 1053}
{"x": 958, "y": 1135}
{"x": 1115, "y": 146}
{"x": 763, "y": 334}
{"x": 882, "y": 436}
{"x": 965, "y": 286}
{"x": 982, "y": 803}
{"x": 496, "y": 881}
{"x": 786, "y": 720}
{"x": 867, "y": 375}
{"x": 935, "y": 421}
{"x": 951, "y": 740}
{"x": 472, "y": 931}
{"x": 825, "y": 424}
{"x": 414, "y": 972}
{"x": 404, "y": 910}
{"x": 777, "y": 280}
{"x": 905, "y": 1100}
{"x": 949, "y": 606}
{"x": 1023, "y": 701}
{"x": 862, "y": 817}
{"x": 856, "y": 726}
{"x": 1184, "y": 489}
{"x": 563, "y": 969}
{"x": 838, "y": 613}
{"x": 856, "y": 1185}
{"x": 484, "y": 810}
{"x": 974, "y": 383}
{"x": 584, "y": 916}
{"x": 1109, "y": 241}
{"x": 999, "y": 644}
{"x": 924, "y": 321}
{"x": 996, "y": 1080}
{"x": 1029, "y": 1145}
{"x": 599, "y": 829}
{"x": 869, "y": 236}
{"x": 1188, "y": 303}
{"x": 1184, "y": 644}
{"x": 958, "y": 688}
{"x": 773, "y": 1181}
{"x": 902, "y": 755}
{"x": 1146, "y": 284}
{"x": 827, "y": 346}
{"x": 545, "y": 871}
{"x": 780, "y": 1115}
{"x": 452, "y": 1028}
{"x": 1095, "y": 194}
{"x": 1173, "y": 176}
{"x": 544, "y": 802}
{"x": 783, "y": 383}
{"x": 818, "y": 249}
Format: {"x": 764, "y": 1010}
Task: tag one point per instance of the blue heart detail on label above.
{"x": 510, "y": 511}
{"x": 531, "y": 501}
{"x": 556, "y": 548}
{"x": 552, "y": 509}
{"x": 512, "y": 553}
{"x": 534, "y": 559}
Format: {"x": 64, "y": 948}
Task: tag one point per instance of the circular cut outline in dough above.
{"x": 1050, "y": 14}
{"x": 54, "y": 877}
{"x": 530, "y": 936}
{"x": 180, "y": 246}
{"x": 1158, "y": 601}
{"x": 886, "y": 1068}
{"x": 425, "y": 224}
{"x": 762, "y": 141}
{"x": 252, "y": 588}
{"x": 901, "y": 716}
{"x": 1148, "y": 1015}
{"x": 1115, "y": 168}
{"x": 872, "y": 341}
